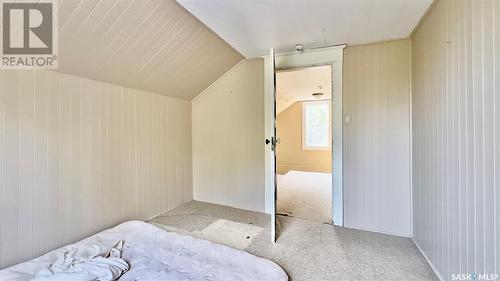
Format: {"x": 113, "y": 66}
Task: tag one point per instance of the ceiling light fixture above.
{"x": 317, "y": 95}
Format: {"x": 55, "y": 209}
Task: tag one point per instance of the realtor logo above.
{"x": 29, "y": 35}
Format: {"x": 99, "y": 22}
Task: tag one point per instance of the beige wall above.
{"x": 376, "y": 93}
{"x": 78, "y": 156}
{"x": 289, "y": 153}
{"x": 456, "y": 133}
{"x": 228, "y": 139}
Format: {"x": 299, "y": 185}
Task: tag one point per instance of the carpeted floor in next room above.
{"x": 306, "y": 250}
{"x": 305, "y": 195}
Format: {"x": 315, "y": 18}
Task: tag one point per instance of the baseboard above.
{"x": 378, "y": 231}
{"x": 231, "y": 205}
{"x": 306, "y": 168}
{"x": 427, "y": 260}
{"x": 156, "y": 215}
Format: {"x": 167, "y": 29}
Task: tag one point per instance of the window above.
{"x": 316, "y": 125}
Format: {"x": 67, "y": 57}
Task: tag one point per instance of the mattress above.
{"x": 155, "y": 254}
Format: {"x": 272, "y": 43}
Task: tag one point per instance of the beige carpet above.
{"x": 305, "y": 195}
{"x": 310, "y": 250}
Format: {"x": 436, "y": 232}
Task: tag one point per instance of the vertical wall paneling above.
{"x": 228, "y": 134}
{"x": 496, "y": 93}
{"x": 140, "y": 44}
{"x": 10, "y": 166}
{"x": 455, "y": 137}
{"x": 26, "y": 163}
{"x": 78, "y": 156}
{"x": 1, "y": 162}
{"x": 376, "y": 94}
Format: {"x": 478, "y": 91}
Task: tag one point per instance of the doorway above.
{"x": 304, "y": 152}
{"x": 332, "y": 56}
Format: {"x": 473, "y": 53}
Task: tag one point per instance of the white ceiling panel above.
{"x": 151, "y": 45}
{"x": 252, "y": 27}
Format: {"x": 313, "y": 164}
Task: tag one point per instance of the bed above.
{"x": 155, "y": 254}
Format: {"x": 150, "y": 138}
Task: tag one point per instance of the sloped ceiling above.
{"x": 252, "y": 27}
{"x": 299, "y": 85}
{"x": 152, "y": 45}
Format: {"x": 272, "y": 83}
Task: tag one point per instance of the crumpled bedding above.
{"x": 155, "y": 254}
{"x": 86, "y": 264}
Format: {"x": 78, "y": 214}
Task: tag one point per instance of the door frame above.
{"x": 332, "y": 56}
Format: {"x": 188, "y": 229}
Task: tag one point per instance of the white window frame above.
{"x": 304, "y": 105}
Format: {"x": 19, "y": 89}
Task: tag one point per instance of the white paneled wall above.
{"x": 228, "y": 139}
{"x": 456, "y": 137}
{"x": 78, "y": 156}
{"x": 376, "y": 94}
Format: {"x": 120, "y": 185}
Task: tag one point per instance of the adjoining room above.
{"x": 304, "y": 149}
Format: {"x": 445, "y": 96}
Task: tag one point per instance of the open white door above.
{"x": 271, "y": 138}
{"x": 329, "y": 55}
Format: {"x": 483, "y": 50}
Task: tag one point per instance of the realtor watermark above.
{"x": 474, "y": 277}
{"x": 29, "y": 35}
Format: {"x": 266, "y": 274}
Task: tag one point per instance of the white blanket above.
{"x": 86, "y": 264}
{"x": 154, "y": 254}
